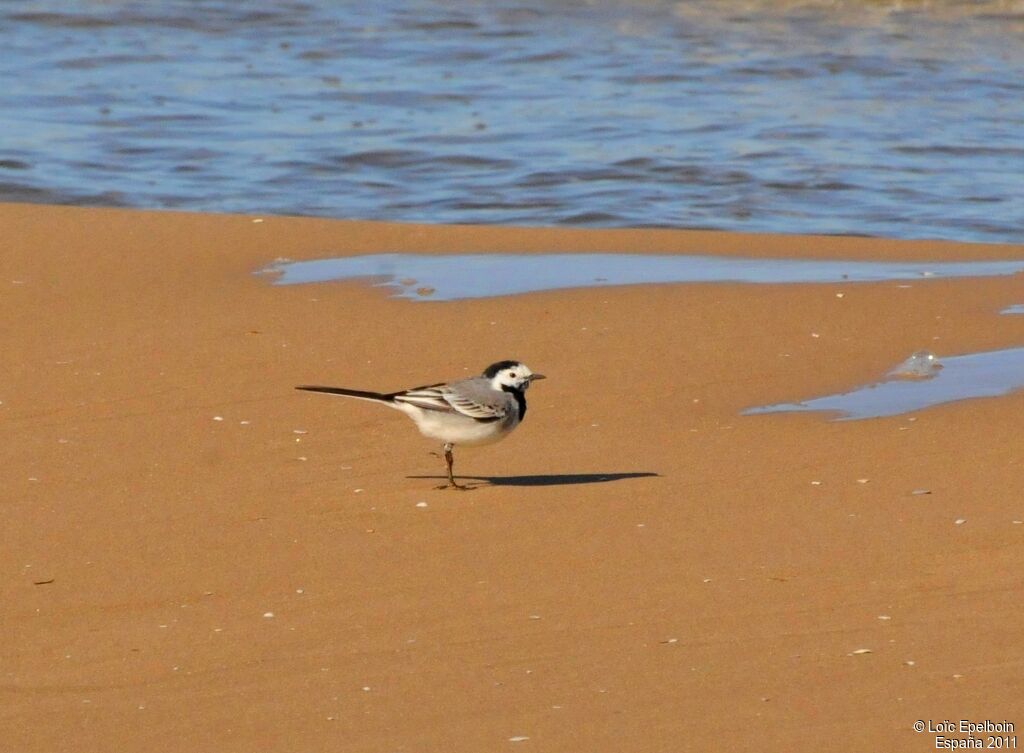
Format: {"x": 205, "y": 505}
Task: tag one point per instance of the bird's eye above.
{"x": 513, "y": 375}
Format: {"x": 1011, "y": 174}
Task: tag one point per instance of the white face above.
{"x": 516, "y": 377}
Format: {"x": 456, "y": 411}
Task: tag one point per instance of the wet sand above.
{"x": 645, "y": 570}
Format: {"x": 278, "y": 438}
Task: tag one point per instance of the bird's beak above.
{"x": 534, "y": 377}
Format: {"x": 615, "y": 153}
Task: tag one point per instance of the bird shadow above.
{"x": 556, "y": 479}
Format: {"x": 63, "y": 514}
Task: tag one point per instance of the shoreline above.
{"x": 720, "y": 603}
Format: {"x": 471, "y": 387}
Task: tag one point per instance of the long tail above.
{"x": 359, "y": 394}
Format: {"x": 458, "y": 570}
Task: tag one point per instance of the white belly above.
{"x": 461, "y": 430}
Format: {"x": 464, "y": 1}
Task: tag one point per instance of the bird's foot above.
{"x": 453, "y": 485}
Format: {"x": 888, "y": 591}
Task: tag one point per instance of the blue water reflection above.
{"x": 451, "y": 277}
{"x": 974, "y": 375}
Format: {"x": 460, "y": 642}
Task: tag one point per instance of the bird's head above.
{"x": 510, "y": 376}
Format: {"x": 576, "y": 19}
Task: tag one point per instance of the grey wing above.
{"x": 430, "y": 397}
{"x": 474, "y": 398}
{"x": 477, "y": 399}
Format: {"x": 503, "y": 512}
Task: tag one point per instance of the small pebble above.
{"x": 884, "y": 617}
{"x": 518, "y": 739}
{"x": 860, "y": 651}
{"x": 959, "y": 521}
{"x": 421, "y": 504}
{"x": 218, "y": 418}
{"x": 919, "y": 492}
{"x": 268, "y": 615}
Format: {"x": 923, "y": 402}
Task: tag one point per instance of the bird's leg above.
{"x": 449, "y": 459}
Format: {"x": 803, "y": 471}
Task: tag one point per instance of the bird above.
{"x": 469, "y": 412}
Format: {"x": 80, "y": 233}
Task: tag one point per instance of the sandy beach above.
{"x": 197, "y": 557}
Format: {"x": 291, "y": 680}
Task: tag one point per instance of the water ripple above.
{"x": 806, "y": 116}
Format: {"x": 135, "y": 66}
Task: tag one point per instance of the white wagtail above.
{"x": 475, "y": 411}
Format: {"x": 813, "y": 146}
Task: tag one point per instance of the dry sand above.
{"x": 718, "y": 605}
